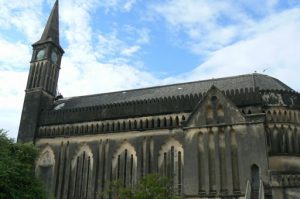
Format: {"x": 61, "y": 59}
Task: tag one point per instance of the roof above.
{"x": 248, "y": 81}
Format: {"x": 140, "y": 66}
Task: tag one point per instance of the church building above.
{"x": 234, "y": 137}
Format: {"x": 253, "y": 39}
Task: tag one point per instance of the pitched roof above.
{"x": 254, "y": 81}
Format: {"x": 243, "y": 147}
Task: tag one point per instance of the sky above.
{"x": 113, "y": 45}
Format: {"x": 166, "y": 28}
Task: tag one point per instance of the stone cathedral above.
{"x": 234, "y": 137}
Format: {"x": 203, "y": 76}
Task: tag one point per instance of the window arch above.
{"x": 220, "y": 114}
{"x": 170, "y": 163}
{"x": 255, "y": 177}
{"x": 45, "y": 167}
{"x": 124, "y": 164}
{"x": 255, "y": 180}
{"x": 275, "y": 140}
{"x": 209, "y": 115}
{"x": 81, "y": 172}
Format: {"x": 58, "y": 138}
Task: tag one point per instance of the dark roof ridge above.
{"x": 167, "y": 85}
{"x": 277, "y": 80}
{"x": 228, "y": 92}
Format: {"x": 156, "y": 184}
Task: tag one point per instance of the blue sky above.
{"x": 123, "y": 44}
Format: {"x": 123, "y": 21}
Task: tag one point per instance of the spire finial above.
{"x": 51, "y": 31}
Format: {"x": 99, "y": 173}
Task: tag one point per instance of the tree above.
{"x": 151, "y": 186}
{"x": 17, "y": 178}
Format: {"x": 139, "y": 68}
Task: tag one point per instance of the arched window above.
{"x": 183, "y": 118}
{"x": 177, "y": 121}
{"x": 282, "y": 139}
{"x": 214, "y": 100}
{"x": 209, "y": 115}
{"x": 81, "y": 172}
{"x": 220, "y": 114}
{"x": 290, "y": 140}
{"x": 171, "y": 163}
{"x": 165, "y": 122}
{"x": 269, "y": 116}
{"x": 45, "y": 168}
{"x": 214, "y": 111}
{"x": 124, "y": 164}
{"x": 254, "y": 181}
{"x": 135, "y": 125}
{"x": 276, "y": 140}
{"x": 158, "y": 122}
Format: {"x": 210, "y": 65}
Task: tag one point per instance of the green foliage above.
{"x": 17, "y": 178}
{"x": 152, "y": 186}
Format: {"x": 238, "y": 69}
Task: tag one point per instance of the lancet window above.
{"x": 82, "y": 167}
{"x": 45, "y": 167}
{"x": 124, "y": 165}
{"x": 171, "y": 164}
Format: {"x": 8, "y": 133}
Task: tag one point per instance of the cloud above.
{"x": 130, "y": 51}
{"x": 13, "y": 55}
{"x": 274, "y": 48}
{"x": 109, "y": 46}
{"x": 211, "y": 25}
{"x": 128, "y": 5}
{"x": 114, "y": 5}
{"x": 203, "y": 22}
{"x": 11, "y": 99}
{"x": 134, "y": 34}
{"x": 122, "y": 45}
{"x": 98, "y": 62}
{"x": 25, "y": 16}
{"x": 94, "y": 77}
{"x": 236, "y": 37}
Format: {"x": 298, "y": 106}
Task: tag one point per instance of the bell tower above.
{"x": 46, "y": 57}
{"x": 43, "y": 77}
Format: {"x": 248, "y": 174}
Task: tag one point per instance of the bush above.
{"x": 151, "y": 186}
{"x": 17, "y": 179}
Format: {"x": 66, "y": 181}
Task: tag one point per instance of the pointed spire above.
{"x": 51, "y": 31}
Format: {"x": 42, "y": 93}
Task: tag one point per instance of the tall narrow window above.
{"x": 165, "y": 165}
{"x": 171, "y": 164}
{"x": 118, "y": 167}
{"x": 142, "y": 160}
{"x": 88, "y": 177}
{"x": 254, "y": 181}
{"x": 220, "y": 114}
{"x": 81, "y": 170}
{"x": 124, "y": 165}
{"x": 131, "y": 170}
{"x": 179, "y": 172}
{"x": 76, "y": 175}
{"x": 209, "y": 115}
{"x": 235, "y": 162}
{"x": 45, "y": 168}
